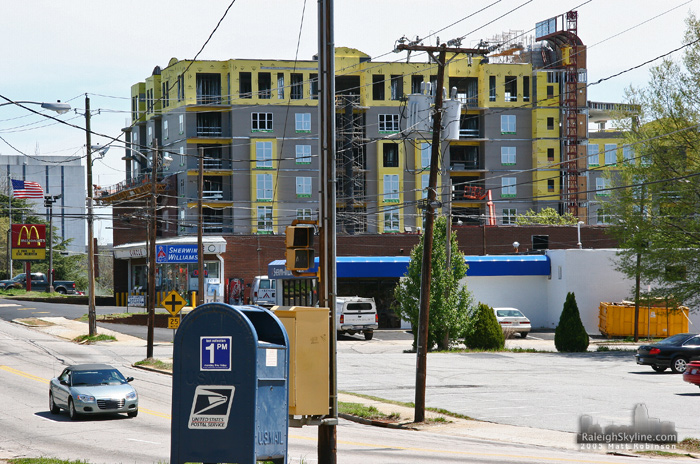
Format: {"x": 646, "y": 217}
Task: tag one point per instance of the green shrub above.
{"x": 570, "y": 336}
{"x": 483, "y": 330}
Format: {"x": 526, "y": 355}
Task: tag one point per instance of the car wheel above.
{"x": 72, "y": 413}
{"x": 133, "y": 413}
{"x": 658, "y": 368}
{"x": 369, "y": 335}
{"x": 679, "y": 364}
{"x": 523, "y": 334}
{"x": 52, "y": 405}
{"x": 62, "y": 291}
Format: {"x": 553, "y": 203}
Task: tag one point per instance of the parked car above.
{"x": 674, "y": 352}
{"x": 39, "y": 283}
{"x": 88, "y": 389}
{"x": 512, "y": 321}
{"x": 262, "y": 292}
{"x": 354, "y": 314}
{"x": 692, "y": 373}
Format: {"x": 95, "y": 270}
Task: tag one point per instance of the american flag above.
{"x": 26, "y": 189}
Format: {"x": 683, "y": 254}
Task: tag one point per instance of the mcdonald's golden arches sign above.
{"x": 28, "y": 241}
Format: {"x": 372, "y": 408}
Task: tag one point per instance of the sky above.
{"x": 63, "y": 49}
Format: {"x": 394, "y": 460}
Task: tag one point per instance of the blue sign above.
{"x": 176, "y": 254}
{"x": 215, "y": 353}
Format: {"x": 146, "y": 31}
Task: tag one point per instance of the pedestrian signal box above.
{"x": 299, "y": 242}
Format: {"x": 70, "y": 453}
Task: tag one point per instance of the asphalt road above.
{"x": 28, "y": 359}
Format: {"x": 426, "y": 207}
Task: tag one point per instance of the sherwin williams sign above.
{"x": 28, "y": 241}
{"x": 176, "y": 254}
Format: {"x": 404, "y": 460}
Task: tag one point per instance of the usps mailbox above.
{"x": 230, "y": 388}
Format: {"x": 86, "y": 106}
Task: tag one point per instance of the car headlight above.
{"x": 131, "y": 395}
{"x": 86, "y": 398}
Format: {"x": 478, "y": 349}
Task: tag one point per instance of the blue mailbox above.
{"x": 230, "y": 389}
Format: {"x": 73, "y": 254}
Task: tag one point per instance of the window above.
{"x": 511, "y": 89}
{"x": 610, "y": 153}
{"x": 416, "y": 81}
{"x": 209, "y": 88}
{"x": 550, "y": 154}
{"x": 245, "y": 85}
{"x": 601, "y": 186}
{"x": 304, "y": 214}
{"x": 181, "y": 124}
{"x": 550, "y": 123}
{"x": 492, "y": 88}
{"x": 508, "y": 188}
{"x": 426, "y": 152}
{"x": 265, "y": 85}
{"x": 304, "y": 187}
{"x": 390, "y": 153}
{"x": 509, "y": 215}
{"x": 508, "y": 155}
{"x": 180, "y": 87}
{"x": 391, "y": 188}
{"x": 425, "y": 184}
{"x": 303, "y": 154}
{"x": 280, "y": 86}
{"x": 263, "y": 187}
{"x": 297, "y": 91}
{"x": 264, "y": 219}
{"x": 396, "y": 87}
{"x": 263, "y": 155}
{"x": 526, "y": 88}
{"x": 261, "y": 122}
{"x": 628, "y": 154}
{"x": 550, "y": 185}
{"x": 378, "y": 86}
{"x": 302, "y": 122}
{"x": 134, "y": 108}
{"x": 165, "y": 92}
{"x": 507, "y": 124}
{"x": 604, "y": 216}
{"x": 391, "y": 221}
{"x": 593, "y": 157}
{"x": 550, "y": 91}
{"x": 388, "y": 123}
{"x": 149, "y": 136}
{"x": 165, "y": 129}
{"x": 183, "y": 160}
{"x": 313, "y": 86}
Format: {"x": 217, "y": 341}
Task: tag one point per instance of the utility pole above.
{"x": 152, "y": 254}
{"x": 431, "y": 204}
{"x": 200, "y": 230}
{"x": 327, "y": 285}
{"x": 92, "y": 318}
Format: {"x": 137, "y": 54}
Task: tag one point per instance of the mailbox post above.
{"x": 230, "y": 387}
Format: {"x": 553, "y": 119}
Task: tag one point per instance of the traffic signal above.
{"x": 299, "y": 242}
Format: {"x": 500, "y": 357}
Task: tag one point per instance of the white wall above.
{"x": 589, "y": 274}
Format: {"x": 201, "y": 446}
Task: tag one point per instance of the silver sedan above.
{"x": 87, "y": 389}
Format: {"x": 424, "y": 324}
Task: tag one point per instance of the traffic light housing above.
{"x": 299, "y": 241}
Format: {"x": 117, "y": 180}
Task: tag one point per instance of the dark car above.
{"x": 674, "y": 352}
{"x": 88, "y": 389}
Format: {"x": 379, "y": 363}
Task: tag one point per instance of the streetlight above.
{"x": 58, "y": 106}
{"x": 578, "y": 225}
{"x": 49, "y": 200}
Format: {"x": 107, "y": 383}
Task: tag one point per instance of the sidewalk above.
{"x": 445, "y": 424}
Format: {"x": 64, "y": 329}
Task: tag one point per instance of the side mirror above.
{"x": 63, "y": 382}
{"x": 129, "y": 379}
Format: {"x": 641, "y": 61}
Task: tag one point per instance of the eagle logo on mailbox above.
{"x": 211, "y": 407}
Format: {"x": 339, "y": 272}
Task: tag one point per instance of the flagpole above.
{"x": 9, "y": 228}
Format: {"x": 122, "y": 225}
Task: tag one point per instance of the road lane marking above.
{"x": 8, "y": 305}
{"x": 41, "y": 312}
{"x": 24, "y": 309}
{"x": 144, "y": 441}
{"x": 154, "y": 413}
{"x": 23, "y": 374}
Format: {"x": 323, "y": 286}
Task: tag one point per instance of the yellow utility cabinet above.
{"x": 617, "y": 320}
{"x": 307, "y": 329}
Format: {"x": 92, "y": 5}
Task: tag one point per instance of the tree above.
{"x": 656, "y": 192}
{"x": 484, "y": 331}
{"x": 449, "y": 303}
{"x": 570, "y": 335}
{"x": 546, "y": 216}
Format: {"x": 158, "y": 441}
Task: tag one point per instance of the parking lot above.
{"x": 547, "y": 390}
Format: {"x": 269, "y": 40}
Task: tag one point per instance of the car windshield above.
{"x": 508, "y": 313}
{"x": 98, "y": 377}
{"x": 673, "y": 340}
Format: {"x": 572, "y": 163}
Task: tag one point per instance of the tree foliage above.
{"x": 654, "y": 202}
{"x": 546, "y": 216}
{"x": 449, "y": 303}
{"x": 484, "y": 332}
{"x": 570, "y": 335}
